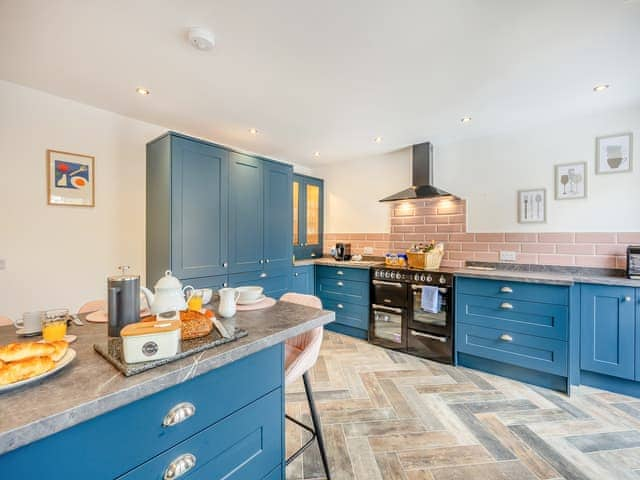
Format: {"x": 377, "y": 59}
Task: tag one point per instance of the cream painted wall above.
{"x": 61, "y": 256}
{"x": 488, "y": 172}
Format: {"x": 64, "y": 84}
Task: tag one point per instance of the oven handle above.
{"x": 392, "y": 284}
{"x": 427, "y": 335}
{"x": 442, "y": 290}
{"x": 389, "y": 309}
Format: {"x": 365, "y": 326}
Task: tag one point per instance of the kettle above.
{"x": 169, "y": 296}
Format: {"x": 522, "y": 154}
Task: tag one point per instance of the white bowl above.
{"x": 207, "y": 293}
{"x": 249, "y": 294}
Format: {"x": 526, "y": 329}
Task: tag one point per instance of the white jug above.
{"x": 228, "y": 299}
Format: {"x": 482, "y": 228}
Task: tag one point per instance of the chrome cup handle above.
{"x": 180, "y": 466}
{"x": 179, "y": 414}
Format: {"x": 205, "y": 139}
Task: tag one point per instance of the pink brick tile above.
{"x": 490, "y": 237}
{"x": 458, "y": 219}
{"x": 526, "y": 258}
{"x": 511, "y": 247}
{"x": 538, "y": 248}
{"x": 431, "y": 219}
{"x": 426, "y": 211}
{"x": 450, "y": 207}
{"x": 438, "y": 237}
{"x": 556, "y": 237}
{"x": 556, "y": 259}
{"x": 377, "y": 236}
{"x": 381, "y": 244}
{"x": 452, "y": 264}
{"x": 357, "y": 236}
{"x": 604, "y": 261}
{"x": 396, "y": 221}
{"x": 521, "y": 237}
{"x": 402, "y": 228}
{"x": 486, "y": 256}
{"x": 461, "y": 255}
{"x": 453, "y": 246}
{"x": 462, "y": 237}
{"x": 415, "y": 237}
{"x": 397, "y": 236}
{"x": 629, "y": 238}
{"x": 611, "y": 249}
{"x": 425, "y": 228}
{"x": 575, "y": 249}
{"x": 450, "y": 228}
{"x": 475, "y": 247}
{"x": 400, "y": 246}
{"x": 404, "y": 212}
{"x": 413, "y": 220}
{"x": 621, "y": 262}
{"x": 595, "y": 237}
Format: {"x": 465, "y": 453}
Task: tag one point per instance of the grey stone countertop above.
{"x": 331, "y": 262}
{"x": 552, "y": 278}
{"x": 90, "y": 386}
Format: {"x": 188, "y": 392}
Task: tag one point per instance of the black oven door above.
{"x": 387, "y": 327}
{"x": 391, "y": 294}
{"x": 437, "y": 318}
{"x": 433, "y": 347}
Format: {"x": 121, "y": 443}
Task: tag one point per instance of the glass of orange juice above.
{"x": 195, "y": 301}
{"x": 54, "y": 325}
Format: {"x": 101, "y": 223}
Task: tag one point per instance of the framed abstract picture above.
{"x": 614, "y": 153}
{"x": 571, "y": 181}
{"x": 70, "y": 179}
{"x": 532, "y": 206}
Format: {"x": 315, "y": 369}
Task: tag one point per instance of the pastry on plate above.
{"x": 61, "y": 347}
{"x": 13, "y": 372}
{"x": 14, "y": 352}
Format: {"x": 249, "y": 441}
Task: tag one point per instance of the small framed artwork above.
{"x": 614, "y": 153}
{"x": 532, "y": 206}
{"x": 70, "y": 179}
{"x": 571, "y": 181}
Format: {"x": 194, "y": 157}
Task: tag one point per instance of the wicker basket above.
{"x": 425, "y": 261}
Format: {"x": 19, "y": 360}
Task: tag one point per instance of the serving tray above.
{"x": 112, "y": 351}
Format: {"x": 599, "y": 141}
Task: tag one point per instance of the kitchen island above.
{"x": 221, "y": 410}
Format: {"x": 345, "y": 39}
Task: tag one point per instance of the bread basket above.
{"x": 425, "y": 260}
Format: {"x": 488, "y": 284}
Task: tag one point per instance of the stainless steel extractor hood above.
{"x": 422, "y": 172}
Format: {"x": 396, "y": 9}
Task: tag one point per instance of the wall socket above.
{"x": 3, "y": 264}
{"x": 367, "y": 251}
{"x": 507, "y": 256}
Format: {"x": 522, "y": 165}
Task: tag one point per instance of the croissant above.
{"x": 61, "y": 347}
{"x": 14, "y": 352}
{"x": 13, "y": 372}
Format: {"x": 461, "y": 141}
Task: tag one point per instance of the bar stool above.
{"x": 301, "y": 353}
{"x": 93, "y": 306}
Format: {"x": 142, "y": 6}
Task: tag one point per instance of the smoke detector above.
{"x": 201, "y": 38}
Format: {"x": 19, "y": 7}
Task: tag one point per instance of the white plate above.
{"x": 251, "y": 302}
{"x": 67, "y": 338}
{"x": 60, "y": 364}
{"x": 21, "y": 332}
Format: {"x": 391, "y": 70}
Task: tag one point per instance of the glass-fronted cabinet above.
{"x": 308, "y": 221}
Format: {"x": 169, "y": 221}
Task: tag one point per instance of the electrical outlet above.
{"x": 367, "y": 251}
{"x": 507, "y": 256}
{"x": 3, "y": 264}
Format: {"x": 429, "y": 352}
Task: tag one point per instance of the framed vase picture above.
{"x": 571, "y": 181}
{"x": 532, "y": 206}
{"x": 70, "y": 179}
{"x": 614, "y": 153}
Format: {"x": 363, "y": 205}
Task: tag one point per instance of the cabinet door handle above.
{"x": 313, "y": 255}
{"x": 506, "y": 338}
{"x": 261, "y": 261}
{"x": 225, "y": 264}
{"x": 267, "y": 260}
{"x": 627, "y": 299}
{"x": 340, "y": 284}
{"x": 339, "y": 272}
{"x": 180, "y": 466}
{"x": 179, "y": 414}
{"x": 225, "y": 285}
{"x": 340, "y": 306}
{"x": 263, "y": 275}
{"x": 506, "y": 306}
{"x": 296, "y": 274}
{"x": 506, "y": 290}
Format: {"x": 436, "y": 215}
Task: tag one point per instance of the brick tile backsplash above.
{"x": 445, "y": 221}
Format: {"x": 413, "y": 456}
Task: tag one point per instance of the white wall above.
{"x": 60, "y": 256}
{"x": 488, "y": 172}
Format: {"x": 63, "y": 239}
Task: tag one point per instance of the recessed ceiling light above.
{"x": 253, "y": 131}
{"x": 316, "y": 154}
{"x": 378, "y": 140}
{"x": 601, "y": 88}
{"x": 465, "y": 119}
{"x": 142, "y": 91}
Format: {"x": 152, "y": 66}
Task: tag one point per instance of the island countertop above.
{"x": 90, "y": 386}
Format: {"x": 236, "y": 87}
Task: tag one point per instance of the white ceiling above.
{"x": 329, "y": 75}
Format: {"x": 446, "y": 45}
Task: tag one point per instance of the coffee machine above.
{"x": 343, "y": 252}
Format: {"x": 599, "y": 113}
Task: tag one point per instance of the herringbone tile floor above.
{"x": 390, "y": 416}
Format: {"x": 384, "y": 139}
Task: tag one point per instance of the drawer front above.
{"x": 348, "y": 273}
{"x": 535, "y": 353}
{"x": 247, "y": 444}
{"x": 215, "y": 283}
{"x": 274, "y": 474}
{"x": 543, "y": 320}
{"x": 131, "y": 435}
{"x": 343, "y": 291}
{"x": 350, "y": 314}
{"x": 531, "y": 292}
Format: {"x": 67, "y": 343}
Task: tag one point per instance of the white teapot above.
{"x": 169, "y": 295}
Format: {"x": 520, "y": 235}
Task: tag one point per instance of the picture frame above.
{"x": 532, "y": 205}
{"x": 614, "y": 153}
{"x": 571, "y": 181}
{"x": 70, "y": 179}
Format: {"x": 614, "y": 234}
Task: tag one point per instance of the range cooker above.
{"x": 398, "y": 320}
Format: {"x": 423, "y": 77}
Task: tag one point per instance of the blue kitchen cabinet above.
{"x": 278, "y": 212}
{"x": 608, "y": 330}
{"x": 187, "y": 204}
{"x": 303, "y": 280}
{"x": 308, "y": 216}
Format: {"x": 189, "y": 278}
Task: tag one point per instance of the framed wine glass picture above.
{"x": 571, "y": 181}
{"x": 532, "y": 206}
{"x": 70, "y": 179}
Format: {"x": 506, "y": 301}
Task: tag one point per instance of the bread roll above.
{"x": 61, "y": 347}
{"x": 195, "y": 325}
{"x": 21, "y": 351}
{"x": 13, "y": 372}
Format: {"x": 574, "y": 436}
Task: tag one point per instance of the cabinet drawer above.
{"x": 344, "y": 273}
{"x": 532, "y": 292}
{"x": 247, "y": 444}
{"x": 343, "y": 291}
{"x": 215, "y": 283}
{"x": 350, "y": 314}
{"x": 543, "y": 320}
{"x": 130, "y": 435}
{"x": 535, "y": 353}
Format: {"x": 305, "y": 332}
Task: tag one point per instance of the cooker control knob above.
{"x": 422, "y": 278}
{"x": 416, "y": 277}
{"x": 429, "y": 278}
{"x": 443, "y": 279}
{"x": 387, "y": 274}
{"x": 393, "y": 275}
